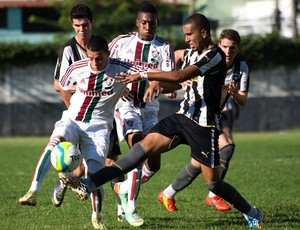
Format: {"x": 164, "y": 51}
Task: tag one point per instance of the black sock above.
{"x": 230, "y": 194}
{"x": 135, "y": 157}
{"x": 185, "y": 177}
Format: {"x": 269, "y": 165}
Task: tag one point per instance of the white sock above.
{"x": 169, "y": 192}
{"x": 124, "y": 187}
{"x": 34, "y": 186}
{"x": 146, "y": 174}
{"x": 211, "y": 194}
{"x": 120, "y": 210}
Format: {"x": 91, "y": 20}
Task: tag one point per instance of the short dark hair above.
{"x": 97, "y": 43}
{"x": 81, "y": 11}
{"x": 199, "y": 21}
{"x": 231, "y": 35}
{"x": 147, "y": 7}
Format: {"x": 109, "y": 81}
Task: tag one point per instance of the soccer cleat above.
{"x": 217, "y": 202}
{"x": 58, "y": 193}
{"x": 134, "y": 219}
{"x": 122, "y": 196}
{"x": 169, "y": 203}
{"x": 76, "y": 184}
{"x": 97, "y": 223}
{"x": 257, "y": 221}
{"x": 30, "y": 198}
{"x": 122, "y": 217}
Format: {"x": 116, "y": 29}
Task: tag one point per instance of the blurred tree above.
{"x": 116, "y": 17}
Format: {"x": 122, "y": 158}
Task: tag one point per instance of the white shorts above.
{"x": 132, "y": 119}
{"x": 92, "y": 138}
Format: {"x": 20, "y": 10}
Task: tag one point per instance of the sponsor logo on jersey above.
{"x": 130, "y": 51}
{"x": 144, "y": 64}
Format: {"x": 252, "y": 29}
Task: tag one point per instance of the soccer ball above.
{"x": 65, "y": 157}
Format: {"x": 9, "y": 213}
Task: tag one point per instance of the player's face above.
{"x": 230, "y": 48}
{"x": 194, "y": 37}
{"x": 146, "y": 24}
{"x": 98, "y": 60}
{"x": 82, "y": 28}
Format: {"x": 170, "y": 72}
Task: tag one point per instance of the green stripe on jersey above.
{"x": 90, "y": 109}
{"x": 142, "y": 84}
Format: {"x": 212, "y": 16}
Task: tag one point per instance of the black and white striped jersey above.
{"x": 201, "y": 101}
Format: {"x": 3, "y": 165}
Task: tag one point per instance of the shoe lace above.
{"x": 61, "y": 189}
{"x": 136, "y": 216}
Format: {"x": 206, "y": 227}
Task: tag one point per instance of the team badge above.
{"x": 155, "y": 53}
{"x": 109, "y": 81}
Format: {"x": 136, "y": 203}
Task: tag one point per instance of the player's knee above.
{"x": 226, "y": 154}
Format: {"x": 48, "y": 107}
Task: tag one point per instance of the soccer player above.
{"x": 81, "y": 18}
{"x": 135, "y": 118}
{"x": 196, "y": 123}
{"x": 73, "y": 50}
{"x": 236, "y": 87}
{"x": 89, "y": 117}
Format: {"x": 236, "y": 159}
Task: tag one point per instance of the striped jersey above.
{"x": 201, "y": 101}
{"x": 155, "y": 54}
{"x": 242, "y": 81}
{"x": 69, "y": 52}
{"x": 97, "y": 92}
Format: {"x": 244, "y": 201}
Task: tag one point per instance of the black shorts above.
{"x": 227, "y": 119}
{"x": 114, "y": 146}
{"x": 202, "y": 140}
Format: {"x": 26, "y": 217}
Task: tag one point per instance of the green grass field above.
{"x": 265, "y": 169}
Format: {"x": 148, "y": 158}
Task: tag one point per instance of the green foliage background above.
{"x": 116, "y": 17}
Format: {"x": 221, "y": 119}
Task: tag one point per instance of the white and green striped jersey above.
{"x": 97, "y": 92}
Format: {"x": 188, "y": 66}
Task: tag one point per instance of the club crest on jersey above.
{"x": 155, "y": 53}
{"x": 109, "y": 81}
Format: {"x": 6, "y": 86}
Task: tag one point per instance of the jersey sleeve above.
{"x": 67, "y": 80}
{"x": 245, "y": 77}
{"x": 209, "y": 63}
{"x": 168, "y": 63}
{"x": 114, "y": 47}
{"x": 64, "y": 60}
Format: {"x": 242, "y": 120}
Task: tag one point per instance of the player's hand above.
{"x": 127, "y": 95}
{"x": 172, "y": 95}
{"x": 126, "y": 78}
{"x": 153, "y": 88}
{"x": 187, "y": 83}
{"x": 232, "y": 88}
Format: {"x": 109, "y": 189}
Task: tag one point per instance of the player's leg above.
{"x": 131, "y": 186}
{"x": 226, "y": 148}
{"x": 184, "y": 178}
{"x": 209, "y": 162}
{"x": 157, "y": 142}
{"x": 130, "y": 126}
{"x": 214, "y": 183}
{"x": 152, "y": 145}
{"x": 64, "y": 130}
{"x": 112, "y": 157}
{"x": 95, "y": 144}
{"x": 41, "y": 170}
{"x": 97, "y": 197}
